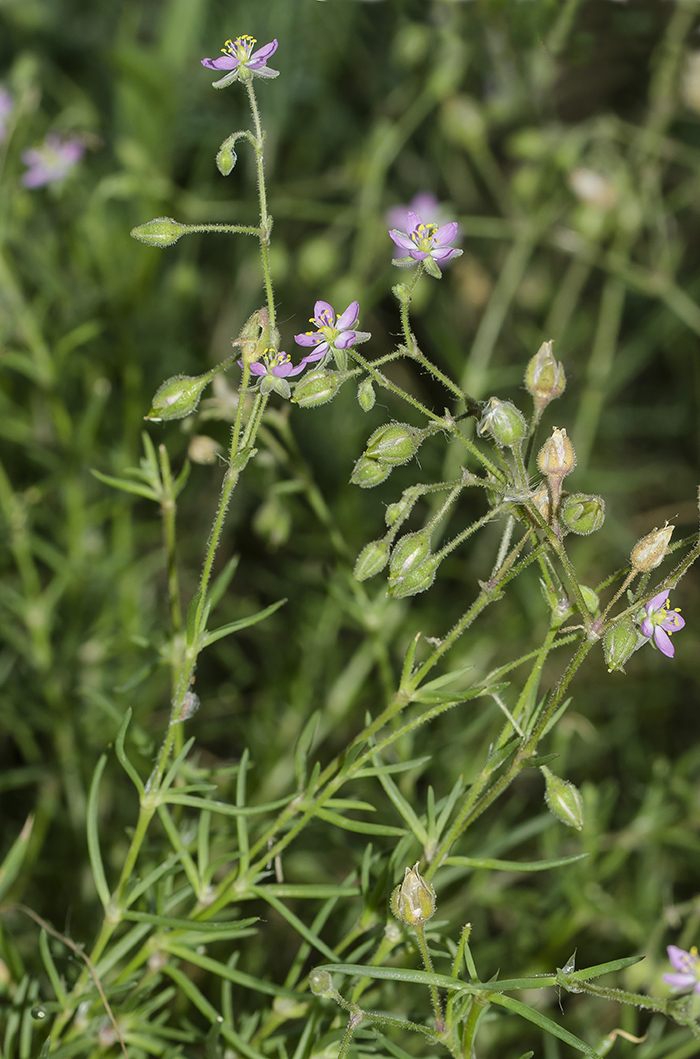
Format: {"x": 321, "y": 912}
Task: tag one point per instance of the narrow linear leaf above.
{"x": 189, "y": 989}
{"x": 93, "y": 839}
{"x": 125, "y": 485}
{"x": 361, "y": 827}
{"x": 173, "y": 798}
{"x": 544, "y": 1023}
{"x": 202, "y": 927}
{"x": 404, "y": 808}
{"x": 51, "y": 969}
{"x": 242, "y": 623}
{"x": 122, "y": 756}
{"x": 514, "y": 865}
{"x": 10, "y": 867}
{"x": 221, "y": 970}
{"x": 223, "y": 580}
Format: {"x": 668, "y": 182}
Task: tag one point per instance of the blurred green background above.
{"x": 565, "y": 139}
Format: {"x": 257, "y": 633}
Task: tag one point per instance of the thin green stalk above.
{"x": 265, "y": 218}
{"x": 168, "y": 509}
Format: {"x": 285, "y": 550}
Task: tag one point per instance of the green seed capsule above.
{"x": 367, "y": 473}
{"x": 408, "y": 552}
{"x": 318, "y": 388}
{"x": 178, "y": 397}
{"x": 226, "y": 159}
{"x": 162, "y": 231}
{"x": 373, "y": 558}
{"x": 620, "y": 642}
{"x": 366, "y": 395}
{"x": 563, "y": 799}
{"x": 394, "y": 443}
{"x": 502, "y": 421}
{"x": 418, "y": 579}
{"x": 582, "y": 513}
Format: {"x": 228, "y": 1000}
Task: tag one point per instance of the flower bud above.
{"x": 321, "y": 983}
{"x": 582, "y": 513}
{"x": 503, "y": 422}
{"x": 367, "y": 473}
{"x": 418, "y": 579}
{"x": 373, "y": 558}
{"x": 557, "y": 458}
{"x": 366, "y": 395}
{"x": 649, "y": 552}
{"x": 413, "y": 901}
{"x": 226, "y": 158}
{"x": 400, "y": 510}
{"x": 318, "y": 388}
{"x": 563, "y": 799}
{"x": 178, "y": 397}
{"x": 619, "y": 644}
{"x": 544, "y": 377}
{"x": 590, "y": 598}
{"x": 162, "y": 231}
{"x": 394, "y": 443}
{"x": 408, "y": 552}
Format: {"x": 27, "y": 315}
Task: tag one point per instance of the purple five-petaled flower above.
{"x": 687, "y": 968}
{"x": 274, "y": 368}
{"x": 421, "y": 240}
{"x": 241, "y": 61}
{"x": 331, "y": 335}
{"x": 660, "y": 622}
{"x": 52, "y": 162}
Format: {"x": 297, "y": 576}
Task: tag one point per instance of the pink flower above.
{"x": 331, "y": 335}
{"x": 52, "y": 162}
{"x": 423, "y": 203}
{"x": 422, "y": 240}
{"x": 274, "y": 368}
{"x": 687, "y": 966}
{"x": 659, "y": 623}
{"x": 242, "y": 62}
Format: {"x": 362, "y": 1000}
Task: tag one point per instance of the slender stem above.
{"x": 265, "y": 218}
{"x": 428, "y": 964}
{"x": 168, "y": 509}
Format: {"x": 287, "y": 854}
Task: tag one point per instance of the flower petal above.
{"x": 263, "y": 53}
{"x": 323, "y": 313}
{"x": 681, "y": 960}
{"x": 401, "y": 239}
{"x": 266, "y": 71}
{"x": 318, "y": 354}
{"x": 345, "y": 340}
{"x": 648, "y": 628}
{"x": 680, "y": 981}
{"x": 349, "y": 317}
{"x": 308, "y": 338}
{"x": 447, "y": 233}
{"x": 672, "y": 622}
{"x": 222, "y": 62}
{"x": 443, "y": 253}
{"x": 657, "y": 602}
{"x": 412, "y": 222}
{"x": 663, "y": 642}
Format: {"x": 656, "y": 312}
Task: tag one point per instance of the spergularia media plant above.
{"x": 524, "y": 478}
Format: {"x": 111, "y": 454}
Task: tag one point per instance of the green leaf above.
{"x": 93, "y": 839}
{"x": 514, "y": 865}
{"x": 404, "y": 808}
{"x": 359, "y": 826}
{"x": 51, "y": 969}
{"x": 125, "y": 485}
{"x": 192, "y": 630}
{"x": 175, "y": 798}
{"x": 408, "y": 661}
{"x": 121, "y": 753}
{"x": 9, "y": 869}
{"x": 222, "y": 581}
{"x": 242, "y": 623}
{"x": 532, "y": 1015}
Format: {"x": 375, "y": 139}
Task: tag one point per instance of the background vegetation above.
{"x": 503, "y": 110}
